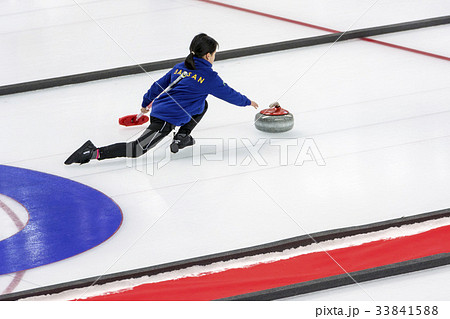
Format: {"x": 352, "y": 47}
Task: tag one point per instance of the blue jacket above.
{"x": 187, "y": 98}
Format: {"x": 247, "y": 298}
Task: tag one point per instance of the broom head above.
{"x": 130, "y": 120}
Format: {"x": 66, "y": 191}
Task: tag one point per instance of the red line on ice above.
{"x": 19, "y": 275}
{"x": 270, "y": 16}
{"x": 395, "y": 46}
{"x": 294, "y": 270}
{"x": 15, "y": 282}
{"x": 324, "y": 29}
{"x": 12, "y": 215}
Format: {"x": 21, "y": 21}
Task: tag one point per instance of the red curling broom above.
{"x": 139, "y": 119}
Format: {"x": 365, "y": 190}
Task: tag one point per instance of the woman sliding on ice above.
{"x": 184, "y": 106}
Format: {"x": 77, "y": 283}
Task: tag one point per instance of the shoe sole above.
{"x": 174, "y": 148}
{"x": 70, "y": 159}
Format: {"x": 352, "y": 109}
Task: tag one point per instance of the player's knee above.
{"x": 135, "y": 149}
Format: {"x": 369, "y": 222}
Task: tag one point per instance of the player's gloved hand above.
{"x": 146, "y": 109}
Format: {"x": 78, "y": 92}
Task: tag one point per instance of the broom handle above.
{"x": 167, "y": 89}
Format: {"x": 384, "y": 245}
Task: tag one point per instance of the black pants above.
{"x": 153, "y": 134}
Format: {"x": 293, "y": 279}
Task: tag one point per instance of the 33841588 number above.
{"x": 407, "y": 310}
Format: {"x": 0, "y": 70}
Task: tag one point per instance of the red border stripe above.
{"x": 324, "y": 29}
{"x": 294, "y": 270}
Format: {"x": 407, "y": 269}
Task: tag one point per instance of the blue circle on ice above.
{"x": 66, "y": 219}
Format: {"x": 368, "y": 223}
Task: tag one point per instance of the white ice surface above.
{"x": 70, "y": 39}
{"x": 44, "y": 39}
{"x": 349, "y": 14}
{"x": 379, "y": 117}
{"x": 385, "y": 144}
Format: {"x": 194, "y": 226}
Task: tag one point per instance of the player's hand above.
{"x": 254, "y": 104}
{"x": 146, "y": 109}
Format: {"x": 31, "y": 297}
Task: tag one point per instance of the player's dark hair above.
{"x": 200, "y": 46}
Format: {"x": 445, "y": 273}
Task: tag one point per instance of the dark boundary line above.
{"x": 280, "y": 245}
{"x": 224, "y": 55}
{"x": 344, "y": 279}
{"x": 313, "y": 26}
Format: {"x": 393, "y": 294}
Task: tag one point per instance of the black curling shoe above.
{"x": 180, "y": 141}
{"x": 82, "y": 155}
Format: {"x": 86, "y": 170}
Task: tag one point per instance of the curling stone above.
{"x": 274, "y": 119}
